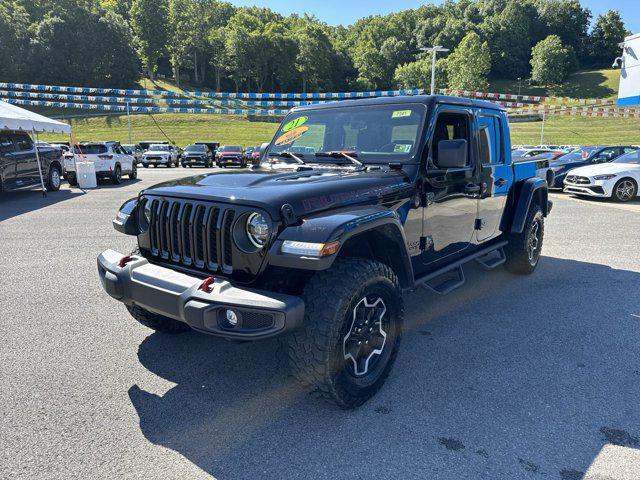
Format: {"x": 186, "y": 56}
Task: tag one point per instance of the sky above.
{"x": 345, "y": 12}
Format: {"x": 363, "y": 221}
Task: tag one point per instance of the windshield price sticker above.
{"x": 401, "y": 114}
{"x": 291, "y": 136}
{"x": 402, "y": 148}
{"x": 296, "y": 122}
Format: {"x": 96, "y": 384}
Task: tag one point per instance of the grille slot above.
{"x": 192, "y": 234}
{"x": 256, "y": 320}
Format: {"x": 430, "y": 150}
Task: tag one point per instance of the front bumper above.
{"x": 194, "y": 161}
{"x": 230, "y": 161}
{"x": 176, "y": 295}
{"x": 597, "y": 188}
{"x": 155, "y": 161}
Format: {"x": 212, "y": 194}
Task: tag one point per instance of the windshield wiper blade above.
{"x": 338, "y": 154}
{"x": 288, "y": 155}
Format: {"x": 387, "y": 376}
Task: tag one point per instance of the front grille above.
{"x": 192, "y": 234}
{"x": 577, "y": 180}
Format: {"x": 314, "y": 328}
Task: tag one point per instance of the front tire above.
{"x": 625, "y": 190}
{"x": 134, "y": 172}
{"x": 347, "y": 347}
{"x": 157, "y": 322}
{"x": 523, "y": 250}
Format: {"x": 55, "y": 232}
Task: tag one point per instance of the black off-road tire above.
{"x": 157, "y": 322}
{"x": 316, "y": 354}
{"x": 518, "y": 251}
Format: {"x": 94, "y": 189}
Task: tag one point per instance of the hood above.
{"x": 230, "y": 154}
{"x": 307, "y": 191}
{"x": 602, "y": 169}
{"x": 156, "y": 152}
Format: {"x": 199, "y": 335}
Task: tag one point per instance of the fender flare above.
{"x": 342, "y": 225}
{"x": 529, "y": 190}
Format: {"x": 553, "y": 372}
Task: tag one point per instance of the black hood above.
{"x": 307, "y": 191}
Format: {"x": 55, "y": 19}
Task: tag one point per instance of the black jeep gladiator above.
{"x": 356, "y": 203}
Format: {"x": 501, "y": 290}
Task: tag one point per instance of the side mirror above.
{"x": 263, "y": 148}
{"x": 452, "y": 153}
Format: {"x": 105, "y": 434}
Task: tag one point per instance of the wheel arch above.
{"x": 533, "y": 191}
{"x": 363, "y": 232}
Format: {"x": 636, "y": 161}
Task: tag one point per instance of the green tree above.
{"x": 315, "y": 57}
{"x": 568, "y": 20}
{"x": 14, "y": 40}
{"x": 149, "y": 20}
{"x": 551, "y": 61}
{"x": 469, "y": 64}
{"x": 607, "y": 33}
{"x": 418, "y": 74}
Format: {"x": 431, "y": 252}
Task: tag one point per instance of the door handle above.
{"x": 472, "y": 188}
{"x": 501, "y": 182}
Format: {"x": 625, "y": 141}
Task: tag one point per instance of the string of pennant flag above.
{"x": 142, "y": 101}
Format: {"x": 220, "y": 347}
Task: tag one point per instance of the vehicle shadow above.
{"x": 13, "y": 204}
{"x": 507, "y": 377}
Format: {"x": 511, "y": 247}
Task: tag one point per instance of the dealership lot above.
{"x": 508, "y": 377}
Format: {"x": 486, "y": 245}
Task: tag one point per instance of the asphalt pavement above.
{"x": 508, "y": 377}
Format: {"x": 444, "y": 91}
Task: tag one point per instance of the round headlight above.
{"x": 258, "y": 229}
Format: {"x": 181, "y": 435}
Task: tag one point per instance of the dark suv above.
{"x": 19, "y": 163}
{"x": 197, "y": 154}
{"x": 374, "y": 198}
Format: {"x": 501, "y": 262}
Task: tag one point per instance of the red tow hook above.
{"x": 124, "y": 260}
{"x": 205, "y": 286}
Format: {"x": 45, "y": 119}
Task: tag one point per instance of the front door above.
{"x": 8, "y": 163}
{"x": 496, "y": 174}
{"x": 451, "y": 195}
{"x": 26, "y": 160}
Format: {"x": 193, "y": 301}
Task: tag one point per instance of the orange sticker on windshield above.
{"x": 291, "y": 136}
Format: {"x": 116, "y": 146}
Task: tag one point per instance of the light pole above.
{"x": 434, "y": 50}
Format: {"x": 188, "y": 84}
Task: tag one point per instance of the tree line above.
{"x": 218, "y": 45}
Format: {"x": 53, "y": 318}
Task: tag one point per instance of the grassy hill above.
{"x": 583, "y": 84}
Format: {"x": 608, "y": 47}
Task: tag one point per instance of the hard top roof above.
{"x": 428, "y": 100}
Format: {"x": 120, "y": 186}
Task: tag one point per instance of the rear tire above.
{"x": 523, "y": 250}
{"x": 157, "y": 322}
{"x": 330, "y": 355}
{"x": 72, "y": 179}
{"x": 53, "y": 179}
{"x": 116, "y": 176}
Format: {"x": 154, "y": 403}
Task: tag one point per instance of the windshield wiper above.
{"x": 288, "y": 155}
{"x": 338, "y": 154}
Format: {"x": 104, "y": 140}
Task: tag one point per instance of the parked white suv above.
{"x": 109, "y": 159}
{"x": 160, "y": 154}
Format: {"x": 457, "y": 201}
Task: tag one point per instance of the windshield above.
{"x": 376, "y": 133}
{"x": 90, "y": 149}
{"x": 633, "y": 158}
{"x": 577, "y": 155}
{"x": 159, "y": 148}
{"x": 231, "y": 148}
{"x": 195, "y": 148}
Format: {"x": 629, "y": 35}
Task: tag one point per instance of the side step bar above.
{"x": 450, "y": 284}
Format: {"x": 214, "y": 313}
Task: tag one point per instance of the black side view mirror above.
{"x": 452, "y": 153}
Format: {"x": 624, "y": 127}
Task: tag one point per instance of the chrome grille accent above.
{"x": 578, "y": 180}
{"x": 192, "y": 234}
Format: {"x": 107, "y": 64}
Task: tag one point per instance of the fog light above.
{"x": 232, "y": 318}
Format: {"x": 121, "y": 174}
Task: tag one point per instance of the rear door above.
{"x": 496, "y": 173}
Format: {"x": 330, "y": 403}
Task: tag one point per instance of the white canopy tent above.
{"x": 16, "y": 118}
